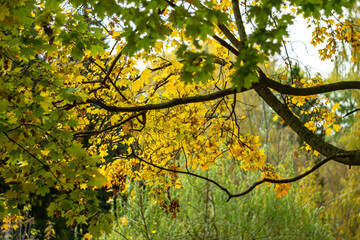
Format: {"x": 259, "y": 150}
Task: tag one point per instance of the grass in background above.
{"x": 205, "y": 214}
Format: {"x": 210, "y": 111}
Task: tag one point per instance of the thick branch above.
{"x": 230, "y": 36}
{"x": 239, "y": 22}
{"x": 264, "y": 81}
{"x": 171, "y": 103}
{"x": 226, "y": 45}
{"x": 305, "y": 134}
{"x": 285, "y": 89}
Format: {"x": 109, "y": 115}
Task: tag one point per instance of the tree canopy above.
{"x": 98, "y": 94}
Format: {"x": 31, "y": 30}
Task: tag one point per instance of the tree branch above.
{"x": 264, "y": 180}
{"x": 183, "y": 172}
{"x": 171, "y": 103}
{"x": 264, "y": 82}
{"x": 239, "y": 22}
{"x": 226, "y": 45}
{"x": 286, "y": 89}
{"x": 91, "y": 133}
{"x": 46, "y": 167}
{"x": 351, "y": 112}
{"x": 94, "y": 62}
{"x": 112, "y": 65}
{"x": 289, "y": 180}
{"x": 230, "y": 36}
{"x": 303, "y": 132}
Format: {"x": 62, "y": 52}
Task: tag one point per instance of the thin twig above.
{"x": 90, "y": 133}
{"x": 118, "y": 232}
{"x": 275, "y": 181}
{"x": 94, "y": 62}
{"x": 112, "y": 65}
{"x": 289, "y": 180}
{"x": 183, "y": 172}
{"x": 351, "y": 112}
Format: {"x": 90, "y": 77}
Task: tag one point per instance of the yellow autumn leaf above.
{"x": 283, "y": 77}
{"x": 123, "y": 220}
{"x": 136, "y": 86}
{"x": 125, "y": 129}
{"x": 175, "y": 64}
{"x": 5, "y": 226}
{"x": 158, "y": 48}
{"x": 103, "y": 153}
{"x": 80, "y": 79}
{"x": 335, "y": 107}
{"x": 166, "y": 12}
{"x": 275, "y": 117}
{"x": 15, "y": 226}
{"x": 145, "y": 75}
{"x": 328, "y": 131}
{"x": 307, "y": 147}
{"x": 37, "y": 27}
{"x": 116, "y": 34}
{"x": 45, "y": 152}
{"x": 100, "y": 63}
{"x": 336, "y": 127}
{"x": 87, "y": 236}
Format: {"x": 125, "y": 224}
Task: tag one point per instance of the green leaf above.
{"x": 43, "y": 190}
{"x": 82, "y": 27}
{"x": 97, "y": 181}
{"x": 60, "y": 19}
{"x": 53, "y": 4}
{"x": 81, "y": 219}
{"x": 78, "y": 51}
